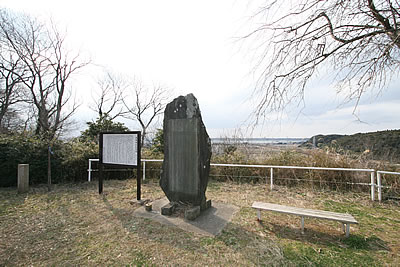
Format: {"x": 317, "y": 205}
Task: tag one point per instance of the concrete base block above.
{"x": 192, "y": 213}
{"x": 168, "y": 209}
{"x": 140, "y": 202}
{"x": 205, "y": 205}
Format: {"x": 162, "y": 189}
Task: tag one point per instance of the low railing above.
{"x": 272, "y": 167}
{"x": 144, "y": 165}
{"x": 142, "y": 160}
{"x": 90, "y": 169}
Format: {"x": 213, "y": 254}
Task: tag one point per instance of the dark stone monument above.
{"x": 187, "y": 153}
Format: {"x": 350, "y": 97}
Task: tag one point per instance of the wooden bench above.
{"x": 344, "y": 218}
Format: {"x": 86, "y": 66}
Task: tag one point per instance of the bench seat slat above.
{"x": 342, "y": 217}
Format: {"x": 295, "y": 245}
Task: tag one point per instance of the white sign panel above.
{"x": 120, "y": 149}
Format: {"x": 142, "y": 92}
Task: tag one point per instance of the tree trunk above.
{"x": 143, "y": 135}
{"x": 48, "y": 169}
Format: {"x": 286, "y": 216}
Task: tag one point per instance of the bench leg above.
{"x": 259, "y": 215}
{"x": 344, "y": 228}
{"x": 347, "y": 229}
{"x": 302, "y": 225}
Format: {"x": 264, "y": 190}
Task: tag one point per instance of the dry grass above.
{"x": 73, "y": 225}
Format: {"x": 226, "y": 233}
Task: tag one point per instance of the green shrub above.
{"x": 24, "y": 149}
{"x": 75, "y": 156}
{"x": 158, "y": 142}
{"x": 69, "y": 159}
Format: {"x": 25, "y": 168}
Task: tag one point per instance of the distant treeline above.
{"x": 381, "y": 145}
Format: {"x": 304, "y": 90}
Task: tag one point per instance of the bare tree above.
{"x": 358, "y": 41}
{"x": 12, "y": 93}
{"x": 108, "y": 101}
{"x": 145, "y": 105}
{"x": 48, "y": 67}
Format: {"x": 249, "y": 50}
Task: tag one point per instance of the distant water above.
{"x": 259, "y": 141}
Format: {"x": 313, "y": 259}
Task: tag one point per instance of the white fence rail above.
{"x": 142, "y": 160}
{"x": 272, "y": 167}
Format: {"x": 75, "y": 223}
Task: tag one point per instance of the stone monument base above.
{"x": 209, "y": 223}
{"x": 189, "y": 212}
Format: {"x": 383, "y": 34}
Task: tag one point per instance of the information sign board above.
{"x": 119, "y": 148}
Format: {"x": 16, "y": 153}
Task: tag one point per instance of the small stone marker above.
{"x": 187, "y": 154}
{"x": 23, "y": 178}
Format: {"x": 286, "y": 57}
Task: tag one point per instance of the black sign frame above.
{"x": 122, "y": 165}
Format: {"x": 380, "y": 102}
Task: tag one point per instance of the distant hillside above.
{"x": 382, "y": 145}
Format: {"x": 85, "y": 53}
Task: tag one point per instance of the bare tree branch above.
{"x": 108, "y": 102}
{"x": 358, "y": 40}
{"x": 147, "y": 104}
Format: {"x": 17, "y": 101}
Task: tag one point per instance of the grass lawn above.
{"x": 73, "y": 225}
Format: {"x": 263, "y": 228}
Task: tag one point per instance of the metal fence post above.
{"x": 272, "y": 178}
{"x": 379, "y": 179}
{"x": 373, "y": 185}
{"x": 144, "y": 170}
{"x": 90, "y": 171}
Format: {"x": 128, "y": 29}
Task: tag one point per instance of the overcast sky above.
{"x": 190, "y": 46}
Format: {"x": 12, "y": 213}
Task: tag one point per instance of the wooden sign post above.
{"x": 120, "y": 150}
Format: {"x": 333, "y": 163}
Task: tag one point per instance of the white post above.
{"x": 90, "y": 170}
{"x": 23, "y": 178}
{"x": 302, "y": 225}
{"x": 144, "y": 170}
{"x": 272, "y": 178}
{"x": 373, "y": 186}
{"x": 379, "y": 178}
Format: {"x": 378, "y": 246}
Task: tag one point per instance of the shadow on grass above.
{"x": 234, "y": 240}
{"x": 354, "y": 241}
{"x": 10, "y": 199}
{"x": 121, "y": 213}
{"x": 255, "y": 248}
